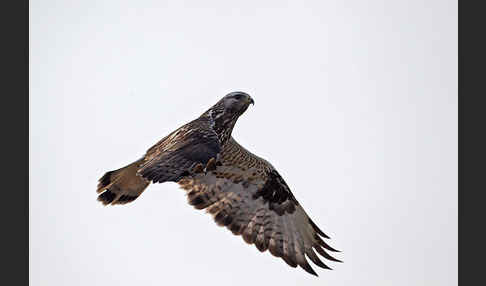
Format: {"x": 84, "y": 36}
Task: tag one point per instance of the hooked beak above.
{"x": 250, "y": 100}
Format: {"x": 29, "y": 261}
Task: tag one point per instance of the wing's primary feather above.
{"x": 247, "y": 195}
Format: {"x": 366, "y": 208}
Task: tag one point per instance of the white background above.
{"x": 356, "y": 106}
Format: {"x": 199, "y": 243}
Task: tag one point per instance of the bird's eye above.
{"x": 238, "y": 96}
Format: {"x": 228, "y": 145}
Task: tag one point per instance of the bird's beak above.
{"x": 250, "y": 100}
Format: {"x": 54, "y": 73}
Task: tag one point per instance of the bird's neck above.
{"x": 225, "y": 133}
{"x": 221, "y": 125}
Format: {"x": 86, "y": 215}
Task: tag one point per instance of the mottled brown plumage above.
{"x": 242, "y": 191}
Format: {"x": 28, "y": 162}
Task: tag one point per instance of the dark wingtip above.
{"x": 311, "y": 271}
{"x": 306, "y": 266}
{"x": 334, "y": 259}
{"x": 107, "y": 197}
{"x": 125, "y": 199}
{"x": 325, "y": 254}
{"x": 314, "y": 258}
{"x": 317, "y": 229}
{"x": 324, "y": 244}
{"x": 331, "y": 249}
{"x": 104, "y": 181}
{"x": 290, "y": 261}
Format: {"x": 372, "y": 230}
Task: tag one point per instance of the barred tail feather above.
{"x": 121, "y": 186}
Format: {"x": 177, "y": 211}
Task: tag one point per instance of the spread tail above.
{"x": 121, "y": 186}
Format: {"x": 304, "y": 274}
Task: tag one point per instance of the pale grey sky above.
{"x": 355, "y": 105}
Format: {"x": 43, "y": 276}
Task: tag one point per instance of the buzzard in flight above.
{"x": 241, "y": 190}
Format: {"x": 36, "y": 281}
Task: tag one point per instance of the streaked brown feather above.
{"x": 242, "y": 191}
{"x": 228, "y": 189}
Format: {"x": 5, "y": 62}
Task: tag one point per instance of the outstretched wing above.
{"x": 172, "y": 156}
{"x": 247, "y": 195}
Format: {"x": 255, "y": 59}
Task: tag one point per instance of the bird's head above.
{"x": 235, "y": 103}
{"x": 226, "y": 111}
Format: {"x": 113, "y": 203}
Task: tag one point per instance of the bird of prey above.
{"x": 242, "y": 191}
